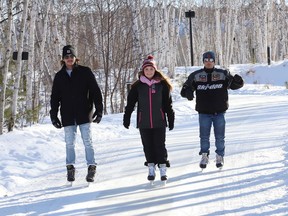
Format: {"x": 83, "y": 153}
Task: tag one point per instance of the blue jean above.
{"x": 205, "y": 123}
{"x": 70, "y": 139}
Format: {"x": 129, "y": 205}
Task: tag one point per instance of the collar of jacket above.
{"x": 208, "y": 70}
{"x": 74, "y": 66}
{"x": 144, "y": 79}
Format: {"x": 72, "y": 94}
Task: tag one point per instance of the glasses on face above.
{"x": 208, "y": 60}
{"x": 68, "y": 56}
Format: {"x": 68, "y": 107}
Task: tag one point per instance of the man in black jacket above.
{"x": 75, "y": 91}
{"x": 211, "y": 86}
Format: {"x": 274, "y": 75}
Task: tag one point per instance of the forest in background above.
{"x": 113, "y": 37}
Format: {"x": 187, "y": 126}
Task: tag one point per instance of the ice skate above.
{"x": 204, "y": 161}
{"x": 219, "y": 161}
{"x": 163, "y": 169}
{"x": 91, "y": 173}
{"x": 151, "y": 173}
{"x": 70, "y": 173}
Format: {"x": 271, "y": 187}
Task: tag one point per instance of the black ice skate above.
{"x": 91, "y": 173}
{"x": 70, "y": 173}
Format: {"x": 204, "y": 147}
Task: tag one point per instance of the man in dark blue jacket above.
{"x": 75, "y": 91}
{"x": 211, "y": 86}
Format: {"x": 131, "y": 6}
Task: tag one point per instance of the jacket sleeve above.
{"x": 235, "y": 82}
{"x": 131, "y": 101}
{"x": 167, "y": 105}
{"x": 55, "y": 98}
{"x": 188, "y": 88}
{"x": 95, "y": 94}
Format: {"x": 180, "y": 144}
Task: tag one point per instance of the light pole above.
{"x": 190, "y": 14}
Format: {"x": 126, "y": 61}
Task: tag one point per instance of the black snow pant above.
{"x": 153, "y": 141}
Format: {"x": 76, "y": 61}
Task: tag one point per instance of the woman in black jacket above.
{"x": 152, "y": 93}
{"x": 75, "y": 91}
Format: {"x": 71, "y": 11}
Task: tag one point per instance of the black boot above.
{"x": 70, "y": 173}
{"x": 91, "y": 173}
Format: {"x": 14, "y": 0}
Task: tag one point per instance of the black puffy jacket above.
{"x": 75, "y": 96}
{"x": 154, "y": 103}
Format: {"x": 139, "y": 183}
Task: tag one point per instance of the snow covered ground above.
{"x": 253, "y": 181}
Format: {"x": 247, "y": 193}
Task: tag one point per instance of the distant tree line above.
{"x": 113, "y": 36}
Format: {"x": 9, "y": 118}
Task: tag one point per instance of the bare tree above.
{"x": 18, "y": 67}
{"x": 30, "y": 109}
{"x": 218, "y": 41}
{"x": 5, "y": 68}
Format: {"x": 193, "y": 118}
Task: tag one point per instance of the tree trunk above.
{"x": 3, "y": 79}
{"x": 47, "y": 78}
{"x": 29, "y": 83}
{"x": 137, "y": 50}
{"x": 218, "y": 41}
{"x": 18, "y": 68}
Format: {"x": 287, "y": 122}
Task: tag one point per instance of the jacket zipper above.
{"x": 150, "y": 106}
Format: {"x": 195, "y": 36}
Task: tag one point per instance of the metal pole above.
{"x": 190, "y": 14}
{"x": 268, "y": 55}
{"x": 191, "y": 41}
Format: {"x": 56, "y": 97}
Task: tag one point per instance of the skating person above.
{"x": 151, "y": 92}
{"x": 75, "y": 91}
{"x": 211, "y": 87}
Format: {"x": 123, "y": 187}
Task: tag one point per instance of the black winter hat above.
{"x": 68, "y": 50}
{"x": 209, "y": 55}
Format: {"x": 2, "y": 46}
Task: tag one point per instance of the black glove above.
{"x": 126, "y": 121}
{"x": 171, "y": 119}
{"x": 189, "y": 95}
{"x": 237, "y": 78}
{"x": 56, "y": 122}
{"x": 98, "y": 116}
{"x": 171, "y": 126}
{"x": 187, "y": 92}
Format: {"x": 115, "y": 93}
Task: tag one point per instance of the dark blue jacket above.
{"x": 75, "y": 96}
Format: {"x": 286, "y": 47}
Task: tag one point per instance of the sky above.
{"x": 253, "y": 180}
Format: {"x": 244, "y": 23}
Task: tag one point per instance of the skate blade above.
{"x": 163, "y": 183}
{"x": 69, "y": 183}
{"x": 85, "y": 185}
{"x": 157, "y": 184}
